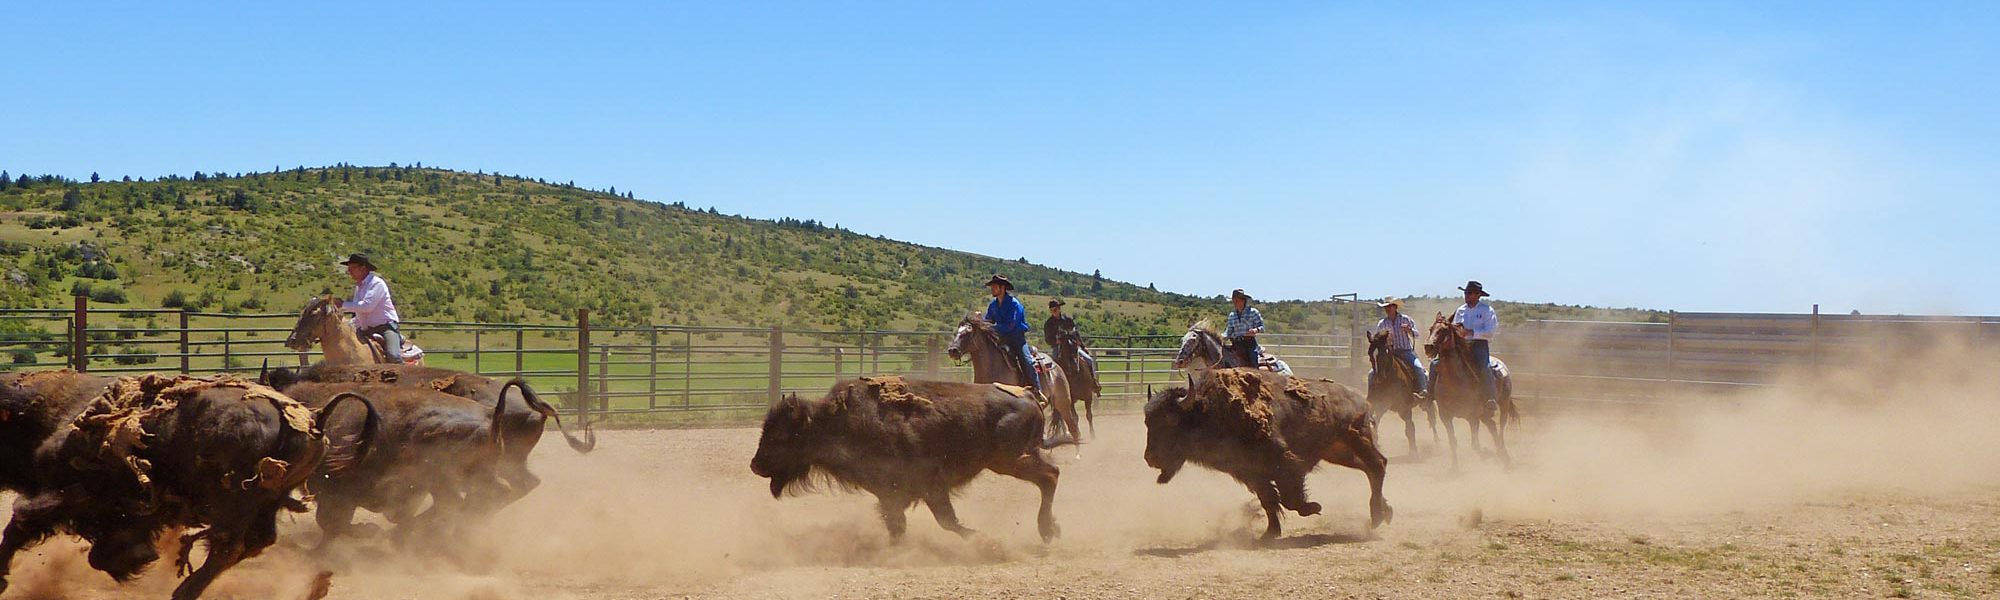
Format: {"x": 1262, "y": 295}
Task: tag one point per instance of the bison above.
{"x": 527, "y": 416}
{"x": 156, "y": 454}
{"x": 1267, "y": 431}
{"x": 430, "y": 445}
{"x": 906, "y": 441}
{"x": 33, "y": 405}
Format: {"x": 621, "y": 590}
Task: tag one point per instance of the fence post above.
{"x": 838, "y": 357}
{"x": 1672, "y": 316}
{"x": 777, "y": 363}
{"x": 604, "y": 378}
{"x": 1815, "y": 338}
{"x": 228, "y": 358}
{"x": 931, "y": 358}
{"x": 185, "y": 363}
{"x": 520, "y": 339}
{"x": 79, "y": 339}
{"x": 582, "y": 360}
{"x": 687, "y": 368}
{"x": 874, "y": 353}
{"x": 476, "y": 335}
{"x": 653, "y": 368}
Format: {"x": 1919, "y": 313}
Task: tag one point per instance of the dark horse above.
{"x": 1084, "y": 386}
{"x": 1455, "y": 387}
{"x": 1202, "y": 349}
{"x": 1393, "y": 388}
{"x": 978, "y": 342}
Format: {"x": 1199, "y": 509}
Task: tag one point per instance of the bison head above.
{"x": 782, "y": 452}
{"x": 124, "y": 553}
{"x": 1167, "y": 424}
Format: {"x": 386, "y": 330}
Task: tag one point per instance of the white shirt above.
{"x": 371, "y": 303}
{"x": 1479, "y": 318}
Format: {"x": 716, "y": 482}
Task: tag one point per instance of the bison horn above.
{"x": 264, "y": 372}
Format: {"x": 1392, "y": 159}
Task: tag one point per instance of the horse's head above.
{"x": 1444, "y": 337}
{"x": 961, "y": 339}
{"x": 1378, "y": 346}
{"x": 313, "y": 320}
{"x": 1200, "y": 342}
{"x": 1068, "y": 342}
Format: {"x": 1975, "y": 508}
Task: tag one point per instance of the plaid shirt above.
{"x": 1399, "y": 339}
{"x": 1240, "y": 323}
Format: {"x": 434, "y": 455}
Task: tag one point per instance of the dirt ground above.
{"x": 1761, "y": 500}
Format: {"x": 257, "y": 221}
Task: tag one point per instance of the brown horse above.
{"x": 1392, "y": 387}
{"x": 1456, "y": 389}
{"x": 978, "y": 342}
{"x": 322, "y": 323}
{"x": 1084, "y": 387}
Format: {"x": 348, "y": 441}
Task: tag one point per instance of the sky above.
{"x": 1691, "y": 156}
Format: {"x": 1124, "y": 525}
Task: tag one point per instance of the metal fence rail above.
{"x": 617, "y": 369}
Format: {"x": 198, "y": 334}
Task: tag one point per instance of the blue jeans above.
{"x": 1409, "y": 357}
{"x": 1482, "y": 356}
{"x": 1023, "y": 358}
{"x": 392, "y": 341}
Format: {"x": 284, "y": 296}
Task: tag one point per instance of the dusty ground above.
{"x": 1749, "y": 502}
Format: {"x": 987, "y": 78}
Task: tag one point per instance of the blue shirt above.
{"x": 1240, "y": 323}
{"x": 1007, "y": 315}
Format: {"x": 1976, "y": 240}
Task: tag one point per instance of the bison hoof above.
{"x": 1308, "y": 509}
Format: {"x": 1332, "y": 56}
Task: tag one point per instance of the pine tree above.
{"x": 93, "y": 177}
{"x": 5, "y": 181}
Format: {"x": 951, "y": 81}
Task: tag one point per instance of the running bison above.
{"x": 430, "y": 445}
{"x": 905, "y": 442}
{"x": 1267, "y": 431}
{"x": 526, "y": 415}
{"x": 155, "y": 454}
{"x": 33, "y": 405}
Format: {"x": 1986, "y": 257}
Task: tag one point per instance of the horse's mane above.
{"x": 1204, "y": 328}
{"x": 982, "y": 327}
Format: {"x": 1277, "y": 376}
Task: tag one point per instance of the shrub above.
{"x": 174, "y": 299}
{"x": 108, "y": 295}
{"x": 22, "y": 356}
{"x": 139, "y": 356}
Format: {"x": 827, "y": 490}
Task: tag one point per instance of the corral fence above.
{"x": 691, "y": 369}
{"x": 619, "y": 369}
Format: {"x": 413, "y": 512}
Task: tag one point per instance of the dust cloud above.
{"x": 676, "y": 512}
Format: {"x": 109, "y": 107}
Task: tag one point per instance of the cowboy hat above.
{"x": 1238, "y": 293}
{"x": 1055, "y": 303}
{"x": 358, "y": 259}
{"x": 1473, "y": 287}
{"x": 1388, "y": 302}
{"x": 1000, "y": 280}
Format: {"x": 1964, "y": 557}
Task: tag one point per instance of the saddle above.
{"x": 411, "y": 355}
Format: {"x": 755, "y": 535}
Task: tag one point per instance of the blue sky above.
{"x": 1689, "y": 155}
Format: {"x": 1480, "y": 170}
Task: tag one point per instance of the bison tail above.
{"x": 583, "y": 446}
{"x": 345, "y": 453}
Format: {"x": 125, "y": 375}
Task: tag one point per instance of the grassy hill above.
{"x": 503, "y": 248}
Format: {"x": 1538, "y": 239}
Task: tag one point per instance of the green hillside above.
{"x": 502, "y": 248}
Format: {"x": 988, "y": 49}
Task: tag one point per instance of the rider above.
{"x": 1244, "y": 325}
{"x": 1402, "y": 338}
{"x": 374, "y": 310}
{"x": 1010, "y": 320}
{"x": 1059, "y": 323}
{"x": 1477, "y": 322}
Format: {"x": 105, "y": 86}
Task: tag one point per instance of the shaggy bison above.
{"x": 526, "y": 415}
{"x": 33, "y": 406}
{"x": 906, "y": 441}
{"x": 154, "y": 454}
{"x": 1267, "y": 431}
{"x": 430, "y": 445}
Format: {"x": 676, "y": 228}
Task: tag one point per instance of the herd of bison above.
{"x": 124, "y": 462}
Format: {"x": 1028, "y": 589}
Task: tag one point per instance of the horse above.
{"x": 1202, "y": 349}
{"x": 1392, "y": 387}
{"x": 322, "y": 323}
{"x": 1455, "y": 389}
{"x": 976, "y": 341}
{"x": 1084, "y": 387}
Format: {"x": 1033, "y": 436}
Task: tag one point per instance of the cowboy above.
{"x": 374, "y": 310}
{"x": 1402, "y": 339}
{"x": 1244, "y": 325}
{"x": 1058, "y": 324}
{"x": 1477, "y": 322}
{"x": 1010, "y": 320}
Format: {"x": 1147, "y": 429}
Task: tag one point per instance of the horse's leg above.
{"x": 1499, "y": 442}
{"x": 1409, "y": 428}
{"x": 1451, "y": 433}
